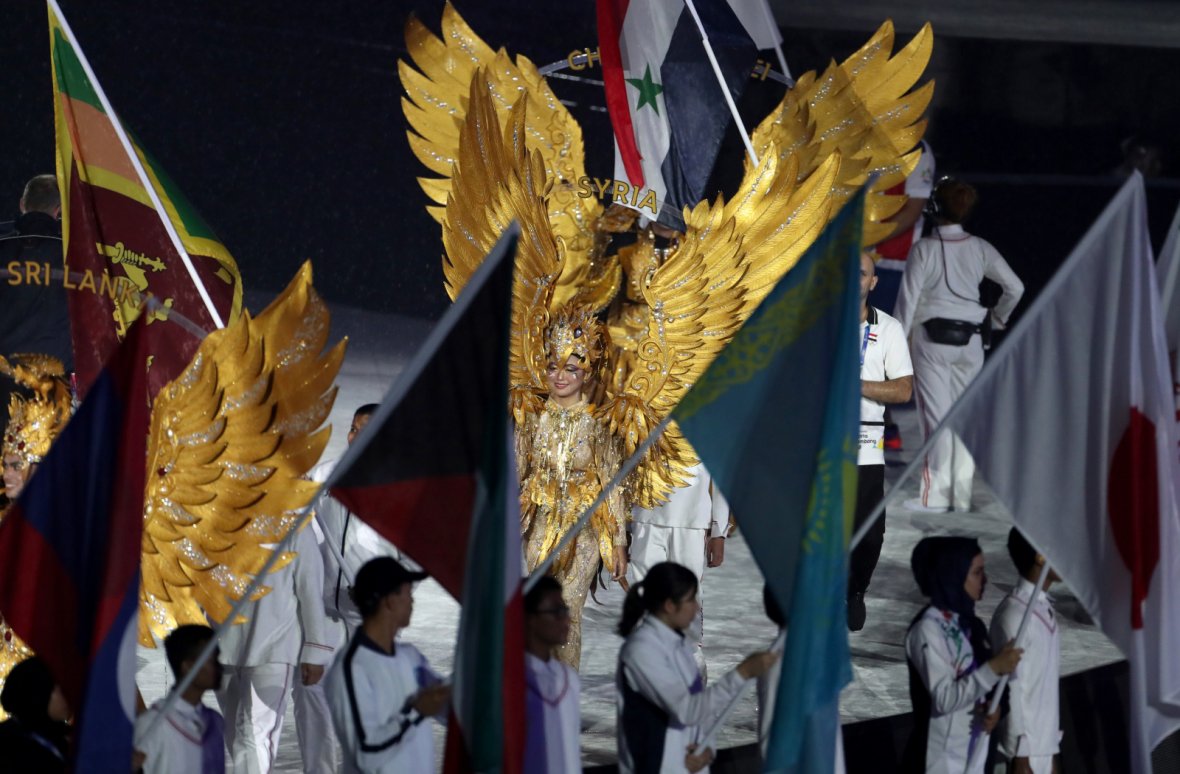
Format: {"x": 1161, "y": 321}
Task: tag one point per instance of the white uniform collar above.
{"x": 1024, "y": 590}
{"x": 662, "y": 630}
{"x": 951, "y": 230}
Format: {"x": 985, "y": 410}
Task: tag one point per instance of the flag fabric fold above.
{"x": 69, "y": 557}
{"x": 666, "y": 106}
{"x": 1168, "y": 270}
{"x": 783, "y": 451}
{"x": 117, "y": 250}
{"x": 1072, "y": 424}
{"x": 433, "y": 472}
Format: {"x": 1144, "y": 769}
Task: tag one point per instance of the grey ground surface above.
{"x": 734, "y": 622}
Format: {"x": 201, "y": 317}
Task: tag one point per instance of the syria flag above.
{"x": 69, "y": 557}
{"x": 1072, "y": 424}
{"x": 666, "y": 106}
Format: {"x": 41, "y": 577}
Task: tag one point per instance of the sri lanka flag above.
{"x": 434, "y": 474}
{"x": 666, "y": 106}
{"x": 69, "y": 557}
{"x": 116, "y": 248}
{"x": 794, "y": 503}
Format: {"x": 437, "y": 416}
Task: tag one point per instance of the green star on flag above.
{"x": 648, "y": 90}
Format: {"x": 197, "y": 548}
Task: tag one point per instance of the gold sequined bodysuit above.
{"x": 564, "y": 458}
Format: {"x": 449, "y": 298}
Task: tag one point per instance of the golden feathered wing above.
{"x": 822, "y": 142}
{"x": 436, "y": 106}
{"x": 230, "y": 440}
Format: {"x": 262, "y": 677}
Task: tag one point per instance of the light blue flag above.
{"x": 774, "y": 419}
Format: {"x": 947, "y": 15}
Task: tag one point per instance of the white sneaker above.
{"x": 915, "y": 504}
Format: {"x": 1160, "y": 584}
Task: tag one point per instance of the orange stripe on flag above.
{"x": 95, "y": 143}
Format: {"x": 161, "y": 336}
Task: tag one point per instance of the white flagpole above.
{"x": 979, "y": 749}
{"x": 139, "y": 170}
{"x": 721, "y": 81}
{"x": 778, "y": 646}
{"x": 778, "y": 47}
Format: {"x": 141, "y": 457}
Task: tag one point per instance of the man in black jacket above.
{"x": 33, "y": 308}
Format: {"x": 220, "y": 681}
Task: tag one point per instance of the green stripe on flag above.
{"x": 71, "y": 78}
{"x": 190, "y": 219}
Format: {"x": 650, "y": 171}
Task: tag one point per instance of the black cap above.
{"x": 378, "y": 578}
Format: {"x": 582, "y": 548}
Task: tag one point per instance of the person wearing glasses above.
{"x": 553, "y": 693}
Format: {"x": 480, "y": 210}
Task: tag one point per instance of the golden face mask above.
{"x": 576, "y": 331}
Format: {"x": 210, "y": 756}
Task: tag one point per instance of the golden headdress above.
{"x": 34, "y": 422}
{"x": 577, "y": 331}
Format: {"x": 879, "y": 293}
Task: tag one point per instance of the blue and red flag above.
{"x": 69, "y": 557}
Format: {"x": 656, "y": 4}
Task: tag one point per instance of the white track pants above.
{"x": 941, "y": 374}
{"x": 653, "y": 543}
{"x": 253, "y": 702}
{"x": 313, "y": 720}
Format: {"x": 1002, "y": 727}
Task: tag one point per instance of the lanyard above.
{"x": 864, "y": 344}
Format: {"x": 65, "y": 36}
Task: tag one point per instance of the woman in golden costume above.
{"x": 33, "y": 424}
{"x": 502, "y": 148}
{"x": 565, "y": 458}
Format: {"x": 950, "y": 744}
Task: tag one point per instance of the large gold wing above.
{"x": 865, "y": 109}
{"x": 497, "y": 180}
{"x": 731, "y": 255}
{"x": 436, "y": 106}
{"x": 230, "y": 440}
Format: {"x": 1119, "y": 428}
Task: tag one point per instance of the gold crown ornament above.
{"x": 577, "y": 331}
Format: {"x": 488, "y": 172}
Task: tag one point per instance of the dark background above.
{"x": 282, "y": 124}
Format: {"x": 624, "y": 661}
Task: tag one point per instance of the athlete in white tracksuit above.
{"x": 340, "y": 534}
{"x": 682, "y": 530}
{"x": 941, "y": 282}
{"x": 284, "y": 629}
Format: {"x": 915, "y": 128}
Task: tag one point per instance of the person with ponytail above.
{"x": 949, "y": 655}
{"x": 662, "y": 702}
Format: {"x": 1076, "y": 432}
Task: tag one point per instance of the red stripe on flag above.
{"x": 43, "y": 577}
{"x": 405, "y": 512}
{"x": 610, "y": 28}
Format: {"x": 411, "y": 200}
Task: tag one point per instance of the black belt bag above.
{"x": 956, "y": 333}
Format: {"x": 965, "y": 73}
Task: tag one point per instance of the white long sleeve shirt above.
{"x": 369, "y": 693}
{"x": 175, "y": 744}
{"x": 287, "y": 626}
{"x": 352, "y": 540}
{"x": 940, "y": 652}
{"x": 662, "y": 704}
{"x": 928, "y": 292}
{"x": 1032, "y": 728}
{"x": 554, "y": 717}
{"x": 699, "y": 505}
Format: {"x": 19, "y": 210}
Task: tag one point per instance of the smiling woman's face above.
{"x": 566, "y": 381}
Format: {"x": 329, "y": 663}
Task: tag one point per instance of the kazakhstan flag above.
{"x": 774, "y": 419}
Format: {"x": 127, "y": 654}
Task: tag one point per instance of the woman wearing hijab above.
{"x": 950, "y": 659}
{"x": 35, "y": 737}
